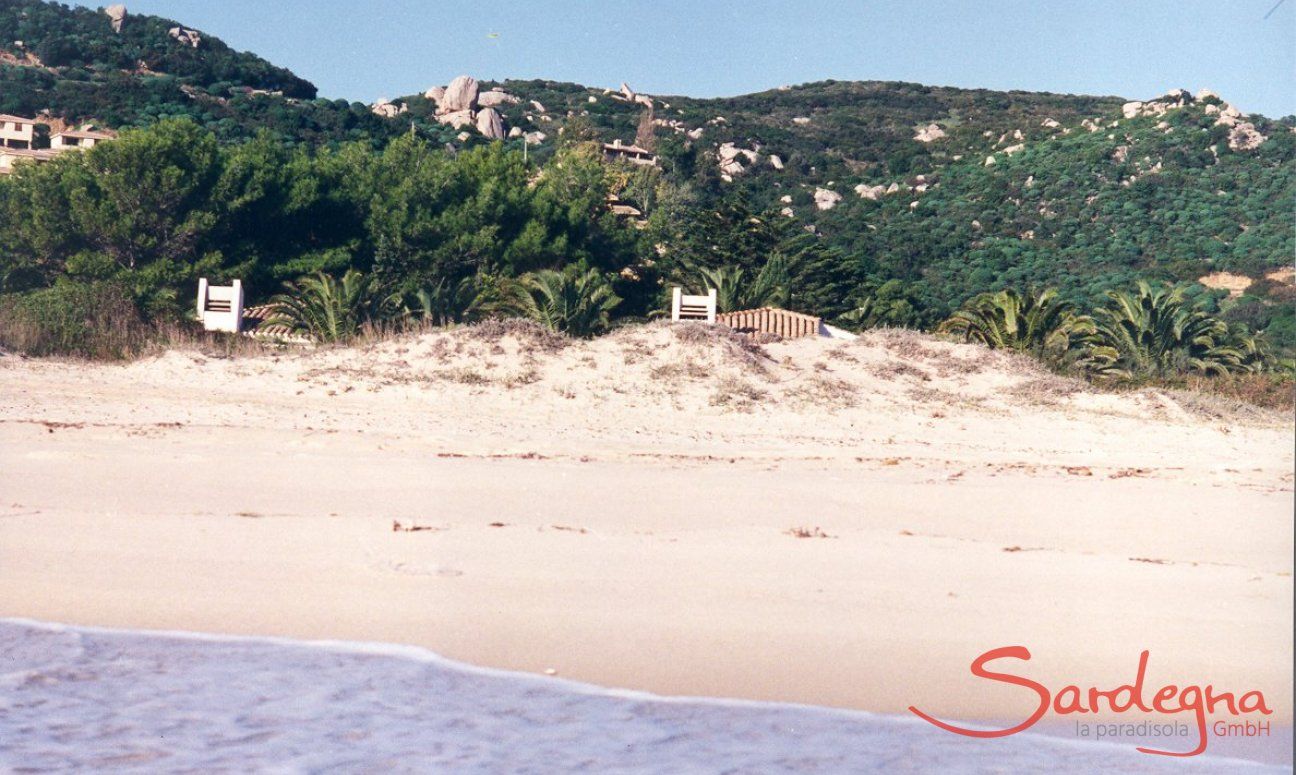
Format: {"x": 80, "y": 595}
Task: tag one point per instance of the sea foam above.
{"x": 87, "y": 698}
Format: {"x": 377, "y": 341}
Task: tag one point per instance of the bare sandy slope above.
{"x": 626, "y": 512}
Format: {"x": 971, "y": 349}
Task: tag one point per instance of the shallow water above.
{"x": 98, "y": 699}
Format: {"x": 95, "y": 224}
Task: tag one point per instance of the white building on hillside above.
{"x": 16, "y": 131}
{"x": 79, "y": 138}
{"x": 18, "y": 135}
{"x": 11, "y": 156}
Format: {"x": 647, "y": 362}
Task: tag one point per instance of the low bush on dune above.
{"x": 88, "y": 320}
{"x": 1269, "y": 390}
{"x": 530, "y": 333}
{"x": 575, "y": 301}
{"x": 1154, "y": 336}
{"x": 103, "y": 322}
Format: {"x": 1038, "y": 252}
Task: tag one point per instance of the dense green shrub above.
{"x": 88, "y": 320}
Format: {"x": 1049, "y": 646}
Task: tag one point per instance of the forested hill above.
{"x": 73, "y": 63}
{"x": 914, "y": 198}
{"x": 898, "y": 199}
{"x": 84, "y": 42}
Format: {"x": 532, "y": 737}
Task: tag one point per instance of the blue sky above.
{"x": 1135, "y": 48}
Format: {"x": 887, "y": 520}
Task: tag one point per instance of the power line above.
{"x": 1271, "y": 10}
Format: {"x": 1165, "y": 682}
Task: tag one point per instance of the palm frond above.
{"x": 328, "y": 309}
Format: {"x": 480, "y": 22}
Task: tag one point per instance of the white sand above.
{"x": 646, "y": 487}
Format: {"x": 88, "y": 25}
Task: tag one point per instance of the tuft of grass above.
{"x": 737, "y": 395}
{"x": 1047, "y": 389}
{"x": 102, "y": 322}
{"x": 1265, "y": 390}
{"x": 824, "y": 391}
{"x": 898, "y": 368}
{"x": 905, "y": 342}
{"x": 465, "y": 376}
{"x": 671, "y": 373}
{"x": 98, "y": 321}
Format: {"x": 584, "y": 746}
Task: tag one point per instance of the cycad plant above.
{"x": 575, "y": 301}
{"x": 865, "y": 315}
{"x": 1157, "y": 332}
{"x": 445, "y": 302}
{"x": 1252, "y": 347}
{"x": 734, "y": 291}
{"x": 328, "y": 309}
{"x": 471, "y": 299}
{"x": 1039, "y": 323}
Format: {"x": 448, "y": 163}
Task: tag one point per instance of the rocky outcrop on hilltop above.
{"x": 116, "y": 16}
{"x": 1245, "y": 137}
{"x": 1242, "y": 137}
{"x": 496, "y": 97}
{"x": 490, "y": 123}
{"x": 387, "y": 108}
{"x": 460, "y": 95}
{"x": 731, "y": 159}
{"x": 186, "y": 36}
{"x": 872, "y": 193}
{"x": 630, "y": 95}
{"x": 826, "y": 198}
{"x": 458, "y": 119}
{"x": 462, "y": 104}
{"x": 918, "y": 184}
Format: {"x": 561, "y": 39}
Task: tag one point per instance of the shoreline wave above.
{"x": 193, "y": 690}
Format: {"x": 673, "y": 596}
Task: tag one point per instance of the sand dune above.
{"x": 667, "y": 509}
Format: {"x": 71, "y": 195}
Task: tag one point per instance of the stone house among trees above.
{"x": 18, "y": 137}
{"x": 631, "y": 153}
{"x": 16, "y": 132}
{"x": 79, "y": 138}
{"x": 10, "y": 156}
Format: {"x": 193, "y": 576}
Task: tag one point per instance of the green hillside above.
{"x": 73, "y": 64}
{"x": 1087, "y": 201}
{"x": 889, "y": 203}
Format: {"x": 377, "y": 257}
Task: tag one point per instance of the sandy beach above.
{"x": 840, "y": 524}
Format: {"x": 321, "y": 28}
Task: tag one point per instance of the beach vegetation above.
{"x": 329, "y": 309}
{"x": 576, "y": 301}
{"x": 230, "y": 167}
{"x": 87, "y": 320}
{"x": 1157, "y": 332}
{"x": 738, "y": 288}
{"x": 1040, "y": 323}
